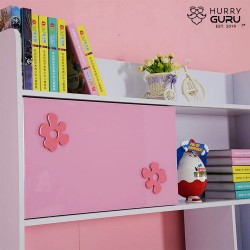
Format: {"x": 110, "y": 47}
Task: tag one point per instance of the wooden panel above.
{"x": 242, "y": 131}
{"x": 100, "y": 167}
{"x": 217, "y": 132}
{"x": 157, "y": 231}
{"x": 58, "y": 236}
{"x": 245, "y": 225}
{"x": 210, "y": 229}
{"x": 11, "y": 151}
{"x": 241, "y": 87}
{"x": 218, "y": 86}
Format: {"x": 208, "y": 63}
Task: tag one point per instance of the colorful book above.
{"x": 44, "y": 55}
{"x": 78, "y": 61}
{"x": 10, "y": 17}
{"x": 228, "y": 161}
{"x": 233, "y": 153}
{"x": 53, "y": 55}
{"x": 243, "y": 194}
{"x": 228, "y": 169}
{"x": 62, "y": 56}
{"x": 228, "y": 177}
{"x": 228, "y": 186}
{"x": 36, "y": 85}
{"x": 91, "y": 60}
{"x": 26, "y": 19}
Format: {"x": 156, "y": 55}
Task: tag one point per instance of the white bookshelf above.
{"x": 219, "y": 122}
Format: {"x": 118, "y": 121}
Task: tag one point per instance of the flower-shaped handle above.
{"x": 53, "y": 133}
{"x": 155, "y": 176}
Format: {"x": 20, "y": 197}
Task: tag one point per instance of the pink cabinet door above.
{"x": 101, "y": 166}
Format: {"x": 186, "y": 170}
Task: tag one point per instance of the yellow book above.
{"x": 35, "y": 54}
{"x": 241, "y": 177}
{"x": 44, "y": 56}
{"x": 241, "y": 169}
{"x": 62, "y": 56}
{"x": 91, "y": 60}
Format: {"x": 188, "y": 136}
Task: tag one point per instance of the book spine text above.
{"x": 44, "y": 57}
{"x": 91, "y": 60}
{"x": 35, "y": 54}
{"x": 27, "y": 47}
{"x": 53, "y": 55}
{"x": 62, "y": 56}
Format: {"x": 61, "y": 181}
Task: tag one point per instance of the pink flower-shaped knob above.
{"x": 53, "y": 133}
{"x": 155, "y": 177}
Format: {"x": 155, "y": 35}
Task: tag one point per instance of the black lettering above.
{"x": 225, "y": 10}
{"x": 212, "y": 11}
{"x": 219, "y": 11}
{"x": 213, "y": 19}
{"x": 228, "y": 19}
{"x": 221, "y": 19}
{"x": 236, "y": 21}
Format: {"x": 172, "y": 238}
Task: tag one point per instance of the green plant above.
{"x": 160, "y": 64}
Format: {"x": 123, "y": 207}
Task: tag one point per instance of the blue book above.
{"x": 243, "y": 194}
{"x": 53, "y": 55}
{"x": 10, "y": 17}
{"x": 26, "y": 18}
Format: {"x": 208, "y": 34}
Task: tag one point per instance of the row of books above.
{"x": 228, "y": 173}
{"x": 56, "y": 57}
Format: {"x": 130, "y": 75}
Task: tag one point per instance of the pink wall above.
{"x": 131, "y": 31}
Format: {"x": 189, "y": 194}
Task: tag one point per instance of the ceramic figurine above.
{"x": 192, "y": 176}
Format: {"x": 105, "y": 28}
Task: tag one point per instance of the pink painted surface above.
{"x": 63, "y": 236}
{"x": 142, "y": 232}
{"x": 166, "y": 22}
{"x": 100, "y": 167}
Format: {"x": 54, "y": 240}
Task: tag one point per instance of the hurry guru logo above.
{"x": 221, "y": 17}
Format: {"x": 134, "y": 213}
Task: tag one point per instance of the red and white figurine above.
{"x": 192, "y": 176}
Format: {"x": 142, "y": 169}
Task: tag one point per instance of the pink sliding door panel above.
{"x": 97, "y": 156}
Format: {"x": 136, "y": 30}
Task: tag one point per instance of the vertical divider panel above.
{"x": 238, "y": 226}
{"x": 245, "y": 225}
{"x": 11, "y": 146}
{"x": 210, "y": 228}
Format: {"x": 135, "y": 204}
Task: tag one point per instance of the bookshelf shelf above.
{"x": 107, "y": 214}
{"x": 222, "y": 122}
{"x": 193, "y": 109}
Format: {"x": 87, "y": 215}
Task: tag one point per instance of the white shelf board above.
{"x": 189, "y": 108}
{"x": 98, "y": 215}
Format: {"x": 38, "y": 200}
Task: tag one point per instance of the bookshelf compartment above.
{"x": 210, "y": 228}
{"x": 100, "y": 168}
